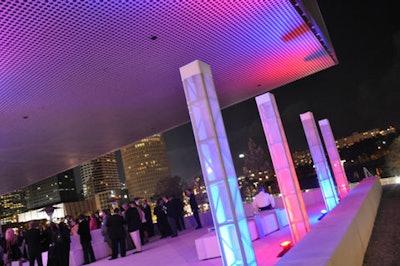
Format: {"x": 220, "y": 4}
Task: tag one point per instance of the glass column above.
{"x": 334, "y": 158}
{"x": 283, "y": 166}
{"x": 217, "y": 166}
{"x": 319, "y": 159}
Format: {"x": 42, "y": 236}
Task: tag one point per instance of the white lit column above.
{"x": 217, "y": 165}
{"x": 321, "y": 164}
{"x": 334, "y": 158}
{"x": 283, "y": 165}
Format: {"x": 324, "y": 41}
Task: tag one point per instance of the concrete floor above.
{"x": 383, "y": 248}
{"x": 181, "y": 250}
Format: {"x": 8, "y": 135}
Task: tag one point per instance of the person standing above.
{"x": 180, "y": 222}
{"x": 105, "y": 214}
{"x": 86, "y": 240}
{"x": 149, "y": 219}
{"x": 32, "y": 238}
{"x": 194, "y": 207}
{"x": 172, "y": 212}
{"x": 12, "y": 248}
{"x": 93, "y": 223}
{"x": 115, "y": 225}
{"x": 263, "y": 201}
{"x": 65, "y": 245}
{"x": 162, "y": 222}
{"x": 133, "y": 222}
{"x": 2, "y": 247}
{"x": 54, "y": 253}
{"x": 74, "y": 227}
{"x": 144, "y": 236}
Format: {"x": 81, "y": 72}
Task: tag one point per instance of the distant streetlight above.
{"x": 241, "y": 156}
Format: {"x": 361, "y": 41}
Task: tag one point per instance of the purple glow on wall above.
{"x": 334, "y": 158}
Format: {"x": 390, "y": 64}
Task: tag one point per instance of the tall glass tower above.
{"x": 145, "y": 162}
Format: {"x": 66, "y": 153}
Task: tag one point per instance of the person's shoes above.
{"x": 112, "y": 258}
{"x": 138, "y": 251}
{"x": 174, "y": 235}
{"x": 198, "y": 227}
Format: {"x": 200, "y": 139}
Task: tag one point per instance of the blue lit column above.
{"x": 321, "y": 164}
{"x": 334, "y": 158}
{"x": 217, "y": 165}
{"x": 283, "y": 166}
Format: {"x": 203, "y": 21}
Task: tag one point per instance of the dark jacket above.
{"x": 132, "y": 218}
{"x": 84, "y": 231}
{"x": 173, "y": 208}
{"x": 193, "y": 203}
{"x": 33, "y": 238}
{"x": 115, "y": 225}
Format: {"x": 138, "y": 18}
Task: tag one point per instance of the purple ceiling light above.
{"x": 93, "y": 76}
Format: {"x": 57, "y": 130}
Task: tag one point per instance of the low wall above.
{"x": 342, "y": 236}
{"x": 100, "y": 248}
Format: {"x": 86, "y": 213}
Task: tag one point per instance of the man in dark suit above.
{"x": 115, "y": 225}
{"x": 32, "y": 238}
{"x": 86, "y": 240}
{"x": 172, "y": 211}
{"x": 194, "y": 207}
{"x": 149, "y": 219}
{"x": 133, "y": 222}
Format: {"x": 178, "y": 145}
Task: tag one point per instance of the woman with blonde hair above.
{"x": 12, "y": 248}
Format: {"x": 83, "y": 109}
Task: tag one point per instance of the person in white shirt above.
{"x": 263, "y": 201}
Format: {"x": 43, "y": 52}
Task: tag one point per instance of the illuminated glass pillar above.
{"x": 217, "y": 165}
{"x": 334, "y": 158}
{"x": 321, "y": 164}
{"x": 283, "y": 165}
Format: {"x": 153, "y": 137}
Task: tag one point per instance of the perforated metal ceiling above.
{"x": 81, "y": 78}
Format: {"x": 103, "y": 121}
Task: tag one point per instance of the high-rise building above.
{"x": 145, "y": 162}
{"x": 53, "y": 190}
{"x": 100, "y": 175}
{"x": 11, "y": 204}
{"x": 111, "y": 198}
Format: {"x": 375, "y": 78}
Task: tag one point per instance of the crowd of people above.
{"x": 125, "y": 228}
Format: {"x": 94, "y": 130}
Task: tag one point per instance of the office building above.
{"x": 145, "y": 162}
{"x": 100, "y": 175}
{"x": 11, "y": 204}
{"x": 53, "y": 190}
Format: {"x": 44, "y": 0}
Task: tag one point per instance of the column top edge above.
{"x": 194, "y": 68}
{"x": 307, "y": 115}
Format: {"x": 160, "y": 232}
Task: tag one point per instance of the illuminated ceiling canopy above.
{"x": 82, "y": 78}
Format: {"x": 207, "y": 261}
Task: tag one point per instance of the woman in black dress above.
{"x": 12, "y": 247}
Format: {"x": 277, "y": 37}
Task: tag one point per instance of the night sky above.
{"x": 361, "y": 93}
